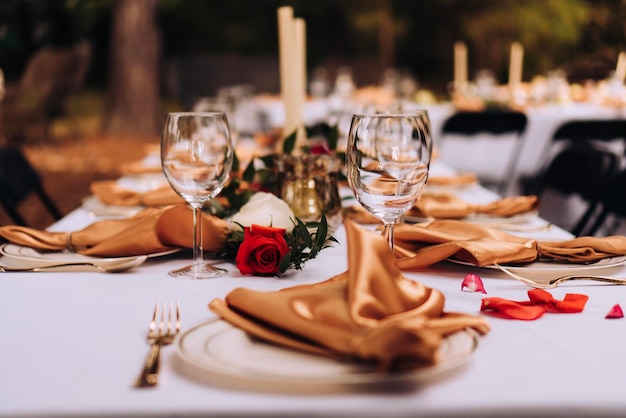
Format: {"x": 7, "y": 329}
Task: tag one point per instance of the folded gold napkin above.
{"x": 358, "y": 214}
{"x": 421, "y": 245}
{"x": 444, "y": 206}
{"x": 148, "y": 232}
{"x": 371, "y": 312}
{"x": 139, "y": 167}
{"x": 461, "y": 179}
{"x": 109, "y": 192}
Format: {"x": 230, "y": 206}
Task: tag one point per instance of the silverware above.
{"x": 159, "y": 335}
{"x": 552, "y": 283}
{"x": 105, "y": 267}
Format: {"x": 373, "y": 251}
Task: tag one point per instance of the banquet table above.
{"x": 74, "y": 342}
{"x": 476, "y": 155}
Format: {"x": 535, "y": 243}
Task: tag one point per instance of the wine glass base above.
{"x": 198, "y": 271}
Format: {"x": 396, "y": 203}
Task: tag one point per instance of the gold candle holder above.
{"x": 309, "y": 185}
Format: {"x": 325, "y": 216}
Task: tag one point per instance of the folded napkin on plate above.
{"x": 370, "y": 312}
{"x": 148, "y": 232}
{"x": 461, "y": 179}
{"x": 444, "y": 206}
{"x": 140, "y": 167}
{"x": 421, "y": 245}
{"x": 358, "y": 214}
{"x": 109, "y": 192}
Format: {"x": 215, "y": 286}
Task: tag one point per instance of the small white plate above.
{"x": 227, "y": 355}
{"x": 95, "y": 207}
{"x": 14, "y": 255}
{"x": 552, "y": 269}
{"x": 480, "y": 218}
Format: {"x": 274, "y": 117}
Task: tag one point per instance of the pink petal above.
{"x": 473, "y": 283}
{"x": 615, "y": 312}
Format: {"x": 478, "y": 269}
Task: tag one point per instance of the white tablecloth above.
{"x": 73, "y": 343}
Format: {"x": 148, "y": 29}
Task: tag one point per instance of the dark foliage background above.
{"x": 581, "y": 36}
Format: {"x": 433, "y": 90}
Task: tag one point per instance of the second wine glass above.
{"x": 197, "y": 156}
{"x": 387, "y": 163}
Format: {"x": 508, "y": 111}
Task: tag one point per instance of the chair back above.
{"x": 612, "y": 202}
{"x": 581, "y": 158}
{"x": 469, "y": 125}
{"x": 18, "y": 181}
{"x": 491, "y": 122}
{"x": 594, "y": 129}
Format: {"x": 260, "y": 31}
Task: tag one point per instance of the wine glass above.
{"x": 197, "y": 156}
{"x": 387, "y": 163}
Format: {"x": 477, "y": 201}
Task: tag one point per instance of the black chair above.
{"x": 582, "y": 170}
{"x": 592, "y": 129}
{"x": 493, "y": 122}
{"x": 581, "y": 158}
{"x": 612, "y": 207}
{"x": 18, "y": 181}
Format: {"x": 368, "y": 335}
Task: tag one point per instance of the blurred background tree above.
{"x": 582, "y": 37}
{"x": 133, "y": 96}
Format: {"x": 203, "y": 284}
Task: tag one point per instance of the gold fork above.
{"x": 552, "y": 283}
{"x": 164, "y": 326}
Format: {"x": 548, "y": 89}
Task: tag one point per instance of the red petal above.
{"x": 510, "y": 309}
{"x": 473, "y": 283}
{"x": 571, "y": 303}
{"x": 615, "y": 312}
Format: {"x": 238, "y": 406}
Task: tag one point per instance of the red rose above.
{"x": 262, "y": 250}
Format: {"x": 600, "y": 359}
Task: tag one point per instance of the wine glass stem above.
{"x": 388, "y": 233}
{"x": 197, "y": 237}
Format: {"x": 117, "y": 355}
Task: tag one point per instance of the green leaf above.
{"x": 333, "y": 137}
{"x": 285, "y": 262}
{"x": 248, "y": 173}
{"x": 310, "y": 131}
{"x": 268, "y": 160}
{"x": 290, "y": 142}
{"x": 304, "y": 231}
{"x": 235, "y": 167}
{"x": 322, "y": 231}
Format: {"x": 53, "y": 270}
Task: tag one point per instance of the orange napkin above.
{"x": 359, "y": 215}
{"x": 370, "y": 312}
{"x": 444, "y": 206}
{"x": 139, "y": 167}
{"x": 421, "y": 245}
{"x": 148, "y": 232}
{"x": 462, "y": 179}
{"x": 109, "y": 192}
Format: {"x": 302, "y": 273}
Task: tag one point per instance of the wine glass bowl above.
{"x": 387, "y": 163}
{"x": 196, "y": 156}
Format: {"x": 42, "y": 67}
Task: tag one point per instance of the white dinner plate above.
{"x": 553, "y": 269}
{"x": 481, "y": 218}
{"x": 224, "y": 354}
{"x": 14, "y": 255}
{"x": 97, "y": 208}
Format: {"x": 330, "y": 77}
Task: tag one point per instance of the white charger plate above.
{"x": 14, "y": 255}
{"x": 521, "y": 218}
{"x": 224, "y": 354}
{"x": 97, "y": 208}
{"x": 552, "y": 269}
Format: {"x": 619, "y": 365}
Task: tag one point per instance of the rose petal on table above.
{"x": 571, "y": 303}
{"x": 539, "y": 303}
{"x": 615, "y": 312}
{"x": 509, "y": 309}
{"x": 473, "y": 283}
